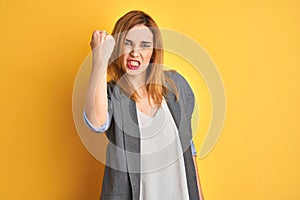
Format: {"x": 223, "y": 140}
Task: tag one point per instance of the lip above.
{"x": 131, "y": 66}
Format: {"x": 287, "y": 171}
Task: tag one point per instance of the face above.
{"x": 137, "y": 50}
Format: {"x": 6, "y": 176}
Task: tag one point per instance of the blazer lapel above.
{"x": 131, "y": 136}
{"x": 174, "y": 108}
{"x": 177, "y": 108}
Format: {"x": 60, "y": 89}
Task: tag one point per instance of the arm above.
{"x": 96, "y": 105}
{"x": 198, "y": 179}
{"x": 190, "y": 108}
{"x": 190, "y": 102}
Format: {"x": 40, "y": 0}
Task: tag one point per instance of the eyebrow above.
{"x": 144, "y": 42}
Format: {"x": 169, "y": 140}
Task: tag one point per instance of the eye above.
{"x": 127, "y": 42}
{"x": 145, "y": 45}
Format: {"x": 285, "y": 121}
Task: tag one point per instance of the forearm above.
{"x": 198, "y": 179}
{"x": 102, "y": 45}
{"x": 96, "y": 99}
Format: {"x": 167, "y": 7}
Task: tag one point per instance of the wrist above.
{"x": 100, "y": 62}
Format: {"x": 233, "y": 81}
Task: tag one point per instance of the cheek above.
{"x": 148, "y": 55}
{"x": 125, "y": 50}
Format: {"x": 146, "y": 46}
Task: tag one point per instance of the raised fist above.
{"x": 102, "y": 45}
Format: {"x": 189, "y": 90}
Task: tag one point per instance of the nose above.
{"x": 134, "y": 52}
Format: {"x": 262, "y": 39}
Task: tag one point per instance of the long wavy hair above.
{"x": 156, "y": 79}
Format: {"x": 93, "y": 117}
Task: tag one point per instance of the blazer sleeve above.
{"x": 107, "y": 123}
{"x": 189, "y": 99}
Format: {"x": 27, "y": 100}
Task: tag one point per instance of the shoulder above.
{"x": 114, "y": 91}
{"x": 110, "y": 87}
{"x": 111, "y": 83}
{"x": 177, "y": 78}
{"x": 181, "y": 83}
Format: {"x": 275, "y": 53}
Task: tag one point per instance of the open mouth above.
{"x": 133, "y": 64}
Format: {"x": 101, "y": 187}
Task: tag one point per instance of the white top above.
{"x": 163, "y": 174}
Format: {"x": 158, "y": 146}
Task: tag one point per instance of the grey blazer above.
{"x": 121, "y": 179}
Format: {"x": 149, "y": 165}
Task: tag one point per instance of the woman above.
{"x": 145, "y": 113}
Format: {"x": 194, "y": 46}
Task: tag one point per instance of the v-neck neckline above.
{"x": 155, "y": 114}
{"x": 148, "y": 116}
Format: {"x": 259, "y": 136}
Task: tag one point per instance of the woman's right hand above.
{"x": 102, "y": 45}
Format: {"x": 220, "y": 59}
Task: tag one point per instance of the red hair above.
{"x": 156, "y": 78}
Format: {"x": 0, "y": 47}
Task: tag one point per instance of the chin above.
{"x": 136, "y": 72}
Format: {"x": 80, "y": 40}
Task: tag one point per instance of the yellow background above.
{"x": 255, "y": 45}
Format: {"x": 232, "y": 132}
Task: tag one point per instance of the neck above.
{"x": 142, "y": 92}
{"x": 139, "y": 83}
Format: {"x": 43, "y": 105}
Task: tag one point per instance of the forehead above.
{"x": 140, "y": 33}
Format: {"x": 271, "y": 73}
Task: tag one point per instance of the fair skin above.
{"x": 138, "y": 49}
{"x": 137, "y": 53}
{"x": 198, "y": 179}
{"x": 96, "y": 105}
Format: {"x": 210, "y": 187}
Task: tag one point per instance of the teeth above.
{"x": 134, "y": 63}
